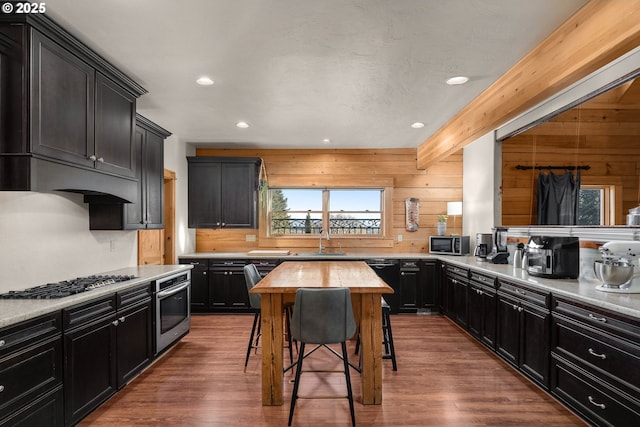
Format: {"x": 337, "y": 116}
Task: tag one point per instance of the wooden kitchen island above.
{"x": 280, "y": 286}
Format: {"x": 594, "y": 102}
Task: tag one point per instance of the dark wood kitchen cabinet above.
{"x": 595, "y": 362}
{"x": 223, "y": 192}
{"x": 417, "y": 284}
{"x": 199, "y": 284}
{"x": 456, "y": 283}
{"x": 482, "y": 306}
{"x": 90, "y": 375}
{"x": 523, "y": 329}
{"x": 430, "y": 288}
{"x": 31, "y": 372}
{"x": 107, "y": 342}
{"x": 71, "y": 126}
{"x": 227, "y": 286}
{"x": 134, "y": 342}
{"x": 147, "y": 210}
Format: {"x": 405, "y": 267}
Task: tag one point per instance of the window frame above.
{"x": 326, "y": 212}
{"x": 608, "y": 202}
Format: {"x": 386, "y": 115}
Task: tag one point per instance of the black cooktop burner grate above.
{"x": 67, "y": 288}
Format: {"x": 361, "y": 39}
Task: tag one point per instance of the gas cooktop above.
{"x": 67, "y": 288}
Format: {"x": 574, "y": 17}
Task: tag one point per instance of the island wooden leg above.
{"x": 272, "y": 342}
{"x": 371, "y": 348}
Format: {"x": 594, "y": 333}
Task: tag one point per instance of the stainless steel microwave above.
{"x": 449, "y": 245}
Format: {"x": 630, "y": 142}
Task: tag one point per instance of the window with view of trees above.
{"x": 338, "y": 211}
{"x": 595, "y": 204}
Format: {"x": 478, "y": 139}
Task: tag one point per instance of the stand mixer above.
{"x": 619, "y": 270}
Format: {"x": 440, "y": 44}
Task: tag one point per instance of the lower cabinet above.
{"x": 90, "y": 357}
{"x": 134, "y": 341}
{"x": 482, "y": 305}
{"x": 227, "y": 287}
{"x": 31, "y": 373}
{"x": 523, "y": 328}
{"x": 106, "y": 343}
{"x": 456, "y": 282}
{"x": 409, "y": 287}
{"x": 595, "y": 362}
{"x": 199, "y": 284}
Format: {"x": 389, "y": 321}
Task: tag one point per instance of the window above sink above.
{"x": 340, "y": 211}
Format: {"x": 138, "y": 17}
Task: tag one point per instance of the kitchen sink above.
{"x": 327, "y": 254}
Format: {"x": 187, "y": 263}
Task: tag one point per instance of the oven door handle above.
{"x": 173, "y": 291}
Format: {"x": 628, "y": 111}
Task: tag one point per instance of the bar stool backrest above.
{"x": 323, "y": 316}
{"x": 252, "y": 277}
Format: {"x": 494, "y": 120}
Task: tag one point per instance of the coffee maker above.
{"x": 484, "y": 245}
{"x": 499, "y": 252}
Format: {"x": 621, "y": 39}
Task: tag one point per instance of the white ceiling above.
{"x": 356, "y": 71}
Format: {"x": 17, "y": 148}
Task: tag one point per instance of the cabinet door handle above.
{"x": 93, "y": 158}
{"x": 2, "y": 342}
{"x": 402, "y": 274}
{"x": 597, "y": 319}
{"x": 122, "y": 319}
{"x": 223, "y": 224}
{"x": 520, "y": 291}
{"x": 593, "y": 353}
{"x": 594, "y": 403}
{"x": 204, "y": 273}
{"x": 101, "y": 160}
{"x": 115, "y": 323}
{"x": 515, "y": 306}
{"x": 1, "y": 388}
{"x": 520, "y": 309}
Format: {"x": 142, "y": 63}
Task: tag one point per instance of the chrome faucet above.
{"x": 320, "y": 247}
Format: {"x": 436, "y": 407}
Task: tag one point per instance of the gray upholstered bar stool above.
{"x": 252, "y": 277}
{"x": 322, "y": 317}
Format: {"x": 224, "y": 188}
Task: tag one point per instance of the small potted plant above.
{"x": 442, "y": 224}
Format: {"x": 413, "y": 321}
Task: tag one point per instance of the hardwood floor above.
{"x": 444, "y": 378}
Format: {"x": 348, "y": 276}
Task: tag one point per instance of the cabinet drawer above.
{"x": 46, "y": 410}
{"x": 409, "y": 265}
{"x": 524, "y": 293}
{"x": 604, "y": 320}
{"x": 25, "y": 333}
{"x": 90, "y": 311}
{"x": 617, "y": 360}
{"x": 133, "y": 296}
{"x": 599, "y": 403}
{"x": 457, "y": 271}
{"x": 483, "y": 279}
{"x": 226, "y": 264}
{"x": 30, "y": 372}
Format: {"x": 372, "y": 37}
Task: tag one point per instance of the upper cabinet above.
{"x": 69, "y": 122}
{"x": 223, "y": 192}
{"x": 146, "y": 211}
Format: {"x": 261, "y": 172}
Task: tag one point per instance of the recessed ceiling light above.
{"x": 459, "y": 80}
{"x": 417, "y": 125}
{"x": 326, "y": 141}
{"x": 205, "y": 81}
{"x": 242, "y": 125}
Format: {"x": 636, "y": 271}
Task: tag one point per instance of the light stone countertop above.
{"x": 582, "y": 289}
{"x": 17, "y": 310}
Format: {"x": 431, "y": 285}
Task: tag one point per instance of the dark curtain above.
{"x": 558, "y": 198}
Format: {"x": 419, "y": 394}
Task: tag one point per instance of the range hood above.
{"x": 30, "y": 173}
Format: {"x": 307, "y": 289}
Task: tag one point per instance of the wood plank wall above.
{"x": 606, "y": 140}
{"x": 594, "y": 36}
{"x": 394, "y": 169}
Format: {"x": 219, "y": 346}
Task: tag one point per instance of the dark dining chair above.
{"x": 252, "y": 277}
{"x": 322, "y": 317}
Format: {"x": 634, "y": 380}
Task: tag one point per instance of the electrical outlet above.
{"x": 250, "y": 238}
{"x": 112, "y": 245}
{"x": 399, "y": 238}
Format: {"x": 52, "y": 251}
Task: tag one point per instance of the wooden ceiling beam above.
{"x": 598, "y": 33}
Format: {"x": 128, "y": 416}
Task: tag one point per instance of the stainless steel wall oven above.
{"x": 172, "y": 309}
